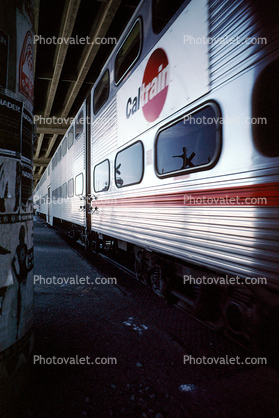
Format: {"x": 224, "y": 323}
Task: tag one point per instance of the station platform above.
{"x": 98, "y": 353}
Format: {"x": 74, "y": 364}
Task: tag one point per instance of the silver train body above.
{"x": 205, "y": 205}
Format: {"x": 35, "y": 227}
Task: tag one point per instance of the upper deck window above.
{"x": 101, "y": 92}
{"x": 79, "y": 124}
{"x": 163, "y": 11}
{"x": 190, "y": 144}
{"x": 128, "y": 53}
{"x": 54, "y": 161}
{"x": 64, "y": 146}
{"x": 71, "y": 137}
{"x": 59, "y": 155}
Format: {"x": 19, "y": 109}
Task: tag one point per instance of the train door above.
{"x": 48, "y": 204}
{"x": 88, "y": 173}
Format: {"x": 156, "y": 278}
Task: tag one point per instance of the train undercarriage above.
{"x": 249, "y": 314}
{"x": 245, "y": 313}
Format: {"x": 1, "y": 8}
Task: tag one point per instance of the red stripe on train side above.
{"x": 266, "y": 194}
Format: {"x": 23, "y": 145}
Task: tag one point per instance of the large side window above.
{"x": 129, "y": 165}
{"x": 190, "y": 144}
{"x": 265, "y": 110}
{"x": 79, "y": 123}
{"x": 101, "y": 177}
{"x": 101, "y": 92}
{"x": 163, "y": 11}
{"x": 71, "y": 137}
{"x": 79, "y": 184}
{"x": 128, "y": 53}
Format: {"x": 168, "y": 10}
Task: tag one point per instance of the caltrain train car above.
{"x": 174, "y": 158}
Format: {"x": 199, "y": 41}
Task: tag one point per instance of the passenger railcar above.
{"x": 180, "y": 158}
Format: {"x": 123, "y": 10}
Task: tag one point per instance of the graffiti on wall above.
{"x": 16, "y": 209}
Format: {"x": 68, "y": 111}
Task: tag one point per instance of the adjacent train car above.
{"x": 182, "y": 158}
{"x": 63, "y": 184}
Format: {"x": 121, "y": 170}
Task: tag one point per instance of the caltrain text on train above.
{"x": 153, "y": 91}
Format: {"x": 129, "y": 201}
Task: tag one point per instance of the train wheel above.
{"x": 264, "y": 335}
{"x": 141, "y": 267}
{"x": 156, "y": 281}
{"x": 206, "y": 305}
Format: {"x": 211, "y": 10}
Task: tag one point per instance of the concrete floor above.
{"x": 93, "y": 322}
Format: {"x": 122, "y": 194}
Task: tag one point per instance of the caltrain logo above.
{"x": 153, "y": 91}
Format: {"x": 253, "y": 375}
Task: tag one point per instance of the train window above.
{"x": 265, "y": 109}
{"x": 128, "y": 53}
{"x": 163, "y": 11}
{"x": 59, "y": 155}
{"x": 64, "y": 190}
{"x": 64, "y": 146}
{"x": 189, "y": 144}
{"x": 129, "y": 165}
{"x": 71, "y": 188}
{"x": 71, "y": 137}
{"x": 79, "y": 124}
{"x": 101, "y": 92}
{"x": 79, "y": 184}
{"x": 59, "y": 193}
{"x": 101, "y": 177}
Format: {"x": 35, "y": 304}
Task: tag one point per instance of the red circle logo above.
{"x": 155, "y": 84}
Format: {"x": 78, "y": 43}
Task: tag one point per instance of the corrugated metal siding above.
{"x": 238, "y": 240}
{"x": 231, "y": 22}
{"x": 104, "y": 133}
{"x": 71, "y": 165}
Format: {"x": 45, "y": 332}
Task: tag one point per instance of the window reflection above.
{"x": 79, "y": 184}
{"x": 101, "y": 177}
{"x": 129, "y": 165}
{"x": 189, "y": 143}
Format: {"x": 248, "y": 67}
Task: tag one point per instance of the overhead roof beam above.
{"x": 39, "y": 145}
{"x": 52, "y": 129}
{"x": 104, "y": 19}
{"x": 41, "y": 162}
{"x": 66, "y": 29}
{"x": 50, "y": 145}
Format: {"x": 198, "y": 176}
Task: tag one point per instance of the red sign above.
{"x": 26, "y": 75}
